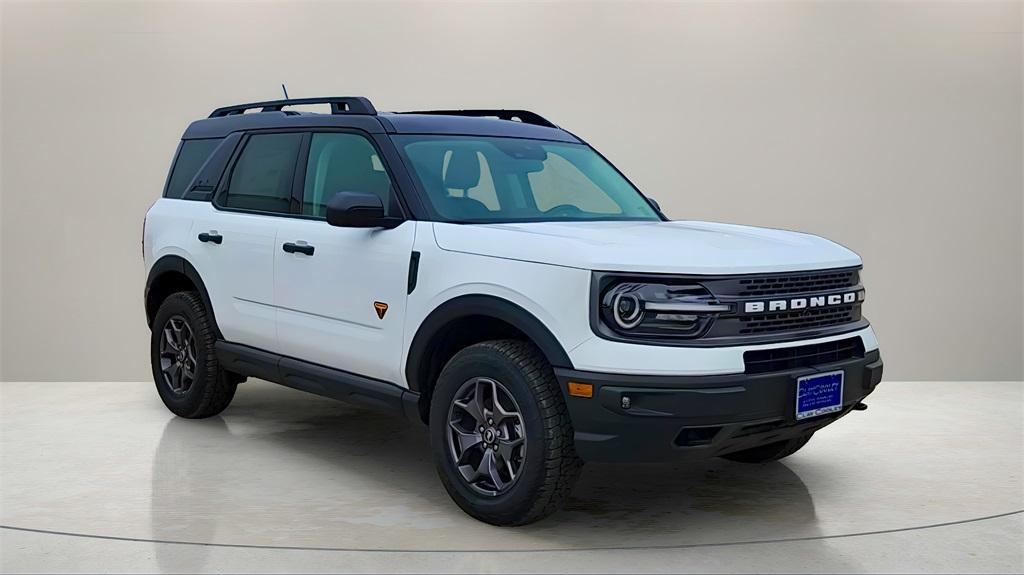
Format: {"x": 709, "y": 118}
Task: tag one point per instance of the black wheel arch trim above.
{"x": 487, "y": 306}
{"x": 173, "y": 264}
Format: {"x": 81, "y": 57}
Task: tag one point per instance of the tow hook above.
{"x": 861, "y": 406}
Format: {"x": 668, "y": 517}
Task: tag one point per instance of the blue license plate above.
{"x": 819, "y": 394}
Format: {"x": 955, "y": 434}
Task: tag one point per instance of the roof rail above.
{"x": 339, "y": 105}
{"x": 524, "y": 116}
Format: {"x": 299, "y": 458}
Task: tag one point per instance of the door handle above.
{"x": 211, "y": 237}
{"x": 300, "y": 248}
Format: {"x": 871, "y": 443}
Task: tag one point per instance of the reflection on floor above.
{"x": 312, "y": 484}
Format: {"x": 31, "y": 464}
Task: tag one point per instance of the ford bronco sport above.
{"x": 491, "y": 275}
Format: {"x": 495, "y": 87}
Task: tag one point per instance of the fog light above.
{"x": 626, "y": 402}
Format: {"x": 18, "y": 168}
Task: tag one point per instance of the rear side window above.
{"x": 192, "y": 155}
{"x": 262, "y": 177}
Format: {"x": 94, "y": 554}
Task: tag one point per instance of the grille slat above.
{"x": 802, "y": 319}
{"x": 797, "y": 284}
{"x": 787, "y": 358}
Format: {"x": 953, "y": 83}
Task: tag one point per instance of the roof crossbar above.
{"x": 524, "y": 116}
{"x": 339, "y": 105}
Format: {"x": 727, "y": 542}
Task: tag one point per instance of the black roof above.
{"x": 353, "y": 112}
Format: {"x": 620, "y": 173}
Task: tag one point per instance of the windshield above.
{"x": 492, "y": 180}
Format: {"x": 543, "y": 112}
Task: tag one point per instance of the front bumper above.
{"x": 674, "y": 417}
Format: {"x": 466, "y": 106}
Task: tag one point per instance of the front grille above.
{"x": 787, "y": 358}
{"x": 808, "y": 321}
{"x": 798, "y": 320}
{"x": 796, "y": 284}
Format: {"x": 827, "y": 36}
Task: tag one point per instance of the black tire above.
{"x": 211, "y": 388}
{"x": 769, "y": 452}
{"x": 548, "y": 466}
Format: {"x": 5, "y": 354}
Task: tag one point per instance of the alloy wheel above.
{"x": 177, "y": 355}
{"x": 487, "y": 436}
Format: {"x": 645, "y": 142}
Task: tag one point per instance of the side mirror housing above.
{"x": 654, "y": 204}
{"x": 358, "y": 210}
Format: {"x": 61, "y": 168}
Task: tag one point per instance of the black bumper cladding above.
{"x": 633, "y": 418}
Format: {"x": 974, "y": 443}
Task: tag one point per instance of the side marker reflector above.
{"x": 581, "y": 389}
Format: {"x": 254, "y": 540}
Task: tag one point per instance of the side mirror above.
{"x": 357, "y": 210}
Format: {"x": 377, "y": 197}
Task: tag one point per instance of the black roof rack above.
{"x": 339, "y": 105}
{"x": 524, "y": 116}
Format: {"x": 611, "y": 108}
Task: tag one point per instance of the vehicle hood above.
{"x": 686, "y": 247}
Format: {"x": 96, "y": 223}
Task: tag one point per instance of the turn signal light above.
{"x": 581, "y": 389}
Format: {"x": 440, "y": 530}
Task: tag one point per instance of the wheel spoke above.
{"x": 484, "y": 388}
{"x": 176, "y": 330}
{"x": 465, "y": 439}
{"x": 501, "y": 415}
{"x": 506, "y": 447}
{"x": 491, "y": 469}
{"x": 472, "y": 409}
{"x": 480, "y": 471}
{"x": 174, "y": 376}
{"x": 468, "y": 472}
{"x": 511, "y": 471}
{"x": 169, "y": 338}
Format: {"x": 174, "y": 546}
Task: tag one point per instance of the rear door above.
{"x": 341, "y": 297}
{"x": 235, "y": 239}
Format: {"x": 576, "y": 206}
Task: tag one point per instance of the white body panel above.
{"x": 238, "y": 273}
{"x": 325, "y": 311}
{"x": 557, "y": 296}
{"x": 320, "y": 308}
{"x": 656, "y": 247}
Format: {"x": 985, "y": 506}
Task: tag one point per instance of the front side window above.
{"x": 340, "y": 162}
{"x": 491, "y": 180}
{"x": 262, "y": 177}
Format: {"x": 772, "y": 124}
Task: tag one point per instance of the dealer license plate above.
{"x": 819, "y": 394}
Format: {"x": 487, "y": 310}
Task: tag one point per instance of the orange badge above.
{"x": 381, "y": 307}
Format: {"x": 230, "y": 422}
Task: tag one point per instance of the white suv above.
{"x": 493, "y": 276}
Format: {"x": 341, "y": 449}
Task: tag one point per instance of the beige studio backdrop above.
{"x": 892, "y": 128}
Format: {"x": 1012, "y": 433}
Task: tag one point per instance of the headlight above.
{"x": 657, "y": 309}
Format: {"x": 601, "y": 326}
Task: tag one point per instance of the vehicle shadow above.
{"x": 333, "y": 476}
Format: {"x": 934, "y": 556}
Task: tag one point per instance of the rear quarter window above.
{"x": 192, "y": 154}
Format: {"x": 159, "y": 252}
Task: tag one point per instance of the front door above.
{"x": 340, "y": 293}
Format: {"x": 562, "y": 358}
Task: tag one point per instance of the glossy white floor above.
{"x": 99, "y": 477}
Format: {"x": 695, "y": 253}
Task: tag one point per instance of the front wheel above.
{"x": 501, "y": 435}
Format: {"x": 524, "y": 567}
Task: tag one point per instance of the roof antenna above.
{"x": 285, "y": 92}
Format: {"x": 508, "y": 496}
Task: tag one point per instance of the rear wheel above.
{"x": 501, "y": 435}
{"x": 771, "y": 451}
{"x": 187, "y": 374}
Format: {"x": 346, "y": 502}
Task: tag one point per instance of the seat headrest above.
{"x": 463, "y": 170}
